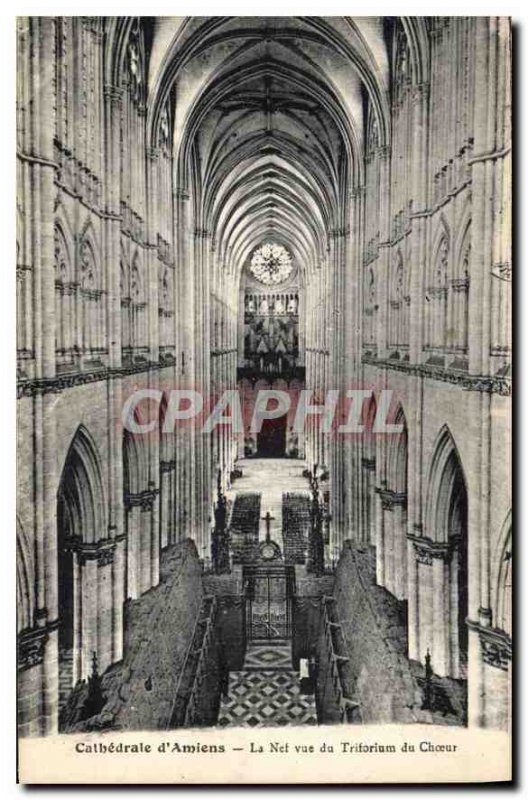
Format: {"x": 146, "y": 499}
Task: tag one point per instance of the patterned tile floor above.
{"x": 266, "y": 692}
{"x": 269, "y": 656}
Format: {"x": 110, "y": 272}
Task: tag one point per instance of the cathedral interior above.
{"x": 242, "y": 204}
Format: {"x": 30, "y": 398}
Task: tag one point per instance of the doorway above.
{"x": 269, "y": 602}
{"x": 271, "y": 440}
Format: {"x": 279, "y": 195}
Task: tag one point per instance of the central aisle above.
{"x": 266, "y": 691}
{"x": 271, "y": 477}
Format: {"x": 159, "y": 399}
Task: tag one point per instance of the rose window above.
{"x": 271, "y": 263}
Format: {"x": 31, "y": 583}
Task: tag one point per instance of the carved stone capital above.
{"x": 459, "y": 284}
{"x": 113, "y": 93}
{"x": 426, "y": 549}
{"x": 368, "y": 464}
{"x": 143, "y": 500}
{"x": 502, "y": 271}
{"x": 496, "y": 646}
{"x": 390, "y": 498}
{"x": 338, "y": 233}
{"x": 30, "y": 646}
{"x": 419, "y": 92}
{"x": 357, "y": 192}
{"x": 496, "y": 649}
{"x": 181, "y": 194}
{"x": 102, "y": 552}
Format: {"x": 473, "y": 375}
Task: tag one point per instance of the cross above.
{"x": 267, "y": 519}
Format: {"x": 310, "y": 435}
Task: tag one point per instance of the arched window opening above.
{"x": 65, "y": 296}
{"x": 80, "y": 527}
{"x": 138, "y": 315}
{"x": 459, "y": 305}
{"x": 92, "y": 311}
{"x": 442, "y": 565}
{"x": 399, "y": 309}
{"x": 436, "y": 302}
{"x": 166, "y": 303}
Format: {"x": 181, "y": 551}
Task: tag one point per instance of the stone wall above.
{"x": 307, "y": 612}
{"x": 378, "y": 674}
{"x": 230, "y": 617}
{"x": 140, "y": 691}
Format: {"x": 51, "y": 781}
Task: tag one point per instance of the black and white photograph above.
{"x": 264, "y": 354}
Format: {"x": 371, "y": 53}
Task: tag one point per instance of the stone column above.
{"x": 133, "y": 548}
{"x": 453, "y": 607}
{"x": 89, "y": 621}
{"x": 31, "y": 646}
{"x": 39, "y": 155}
{"x": 380, "y": 542}
{"x": 146, "y": 542}
{"x": 118, "y": 598}
{"x": 440, "y": 653}
{"x": 116, "y": 522}
{"x": 164, "y": 502}
{"x": 387, "y": 553}
{"x": 413, "y": 607}
{"x": 400, "y": 546}
{"x": 77, "y": 619}
{"x": 105, "y": 644}
{"x": 112, "y": 118}
{"x": 482, "y": 175}
{"x": 425, "y": 603}
{"x": 384, "y": 254}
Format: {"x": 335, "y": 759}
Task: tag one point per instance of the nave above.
{"x": 292, "y": 208}
{"x": 268, "y": 645}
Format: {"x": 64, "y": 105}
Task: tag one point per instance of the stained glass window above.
{"x": 271, "y": 263}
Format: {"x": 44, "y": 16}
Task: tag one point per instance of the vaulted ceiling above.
{"x": 269, "y": 123}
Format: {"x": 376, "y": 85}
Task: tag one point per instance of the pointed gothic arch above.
{"x": 81, "y": 525}
{"x": 90, "y": 279}
{"x": 65, "y": 301}
{"x": 437, "y": 291}
{"x": 459, "y": 286}
{"x": 443, "y": 625}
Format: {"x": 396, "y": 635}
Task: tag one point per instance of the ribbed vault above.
{"x": 268, "y": 126}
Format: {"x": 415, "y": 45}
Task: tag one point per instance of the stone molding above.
{"x": 390, "y": 498}
{"x": 494, "y": 384}
{"x": 32, "y": 387}
{"x": 496, "y": 646}
{"x": 368, "y": 463}
{"x": 459, "y": 284}
{"x": 144, "y": 500}
{"x": 113, "y": 93}
{"x": 502, "y": 270}
{"x": 101, "y": 551}
{"x": 30, "y": 647}
{"x": 337, "y": 233}
{"x": 426, "y": 549}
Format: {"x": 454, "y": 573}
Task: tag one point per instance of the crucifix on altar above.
{"x": 268, "y": 520}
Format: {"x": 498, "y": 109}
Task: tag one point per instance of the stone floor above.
{"x": 271, "y": 477}
{"x": 266, "y": 691}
